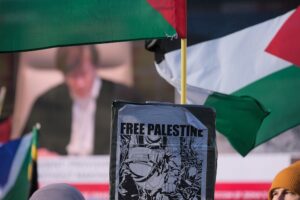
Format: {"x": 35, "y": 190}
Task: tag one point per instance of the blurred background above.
{"x": 27, "y": 75}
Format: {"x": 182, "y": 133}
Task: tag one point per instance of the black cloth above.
{"x": 53, "y": 110}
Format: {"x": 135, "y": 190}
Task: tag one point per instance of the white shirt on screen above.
{"x": 83, "y": 123}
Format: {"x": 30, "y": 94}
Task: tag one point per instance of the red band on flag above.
{"x": 97, "y": 187}
{"x": 5, "y": 129}
{"x": 243, "y": 186}
{"x": 286, "y": 43}
{"x": 174, "y": 12}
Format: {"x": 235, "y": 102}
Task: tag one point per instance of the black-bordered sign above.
{"x": 162, "y": 151}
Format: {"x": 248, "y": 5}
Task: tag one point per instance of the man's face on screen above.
{"x": 80, "y": 80}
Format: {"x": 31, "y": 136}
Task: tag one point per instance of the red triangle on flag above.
{"x": 286, "y": 43}
{"x": 174, "y": 12}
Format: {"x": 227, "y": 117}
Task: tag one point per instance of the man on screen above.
{"x": 75, "y": 116}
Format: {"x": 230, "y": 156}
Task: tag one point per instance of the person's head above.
{"x": 78, "y": 64}
{"x": 57, "y": 191}
{"x": 286, "y": 184}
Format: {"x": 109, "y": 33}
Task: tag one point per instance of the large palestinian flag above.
{"x": 35, "y": 24}
{"x": 259, "y": 62}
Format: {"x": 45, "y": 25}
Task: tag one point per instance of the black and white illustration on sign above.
{"x": 161, "y": 154}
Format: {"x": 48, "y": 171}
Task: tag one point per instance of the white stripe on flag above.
{"x": 231, "y": 62}
{"x": 195, "y": 95}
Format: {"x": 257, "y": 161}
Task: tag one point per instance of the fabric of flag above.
{"x": 239, "y": 64}
{"x": 16, "y": 167}
{"x": 5, "y": 129}
{"x": 232, "y": 111}
{"x": 35, "y": 24}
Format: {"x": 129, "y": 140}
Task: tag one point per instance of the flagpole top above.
{"x": 37, "y": 126}
{"x": 2, "y": 97}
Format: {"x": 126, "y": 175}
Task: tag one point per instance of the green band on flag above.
{"x": 35, "y": 24}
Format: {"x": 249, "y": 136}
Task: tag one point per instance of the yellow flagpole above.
{"x": 2, "y": 97}
{"x": 183, "y": 70}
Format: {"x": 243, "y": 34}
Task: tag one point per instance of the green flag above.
{"x": 35, "y": 24}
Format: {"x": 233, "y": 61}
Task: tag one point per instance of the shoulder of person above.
{"x": 57, "y": 93}
{"x": 120, "y": 90}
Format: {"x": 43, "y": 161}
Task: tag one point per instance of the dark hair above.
{"x": 69, "y": 58}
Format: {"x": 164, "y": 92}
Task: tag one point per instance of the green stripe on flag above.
{"x": 239, "y": 118}
{"x": 279, "y": 93}
{"x": 35, "y": 24}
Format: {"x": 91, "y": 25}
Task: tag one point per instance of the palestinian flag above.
{"x": 257, "y": 62}
{"x": 36, "y": 24}
{"x": 17, "y": 170}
